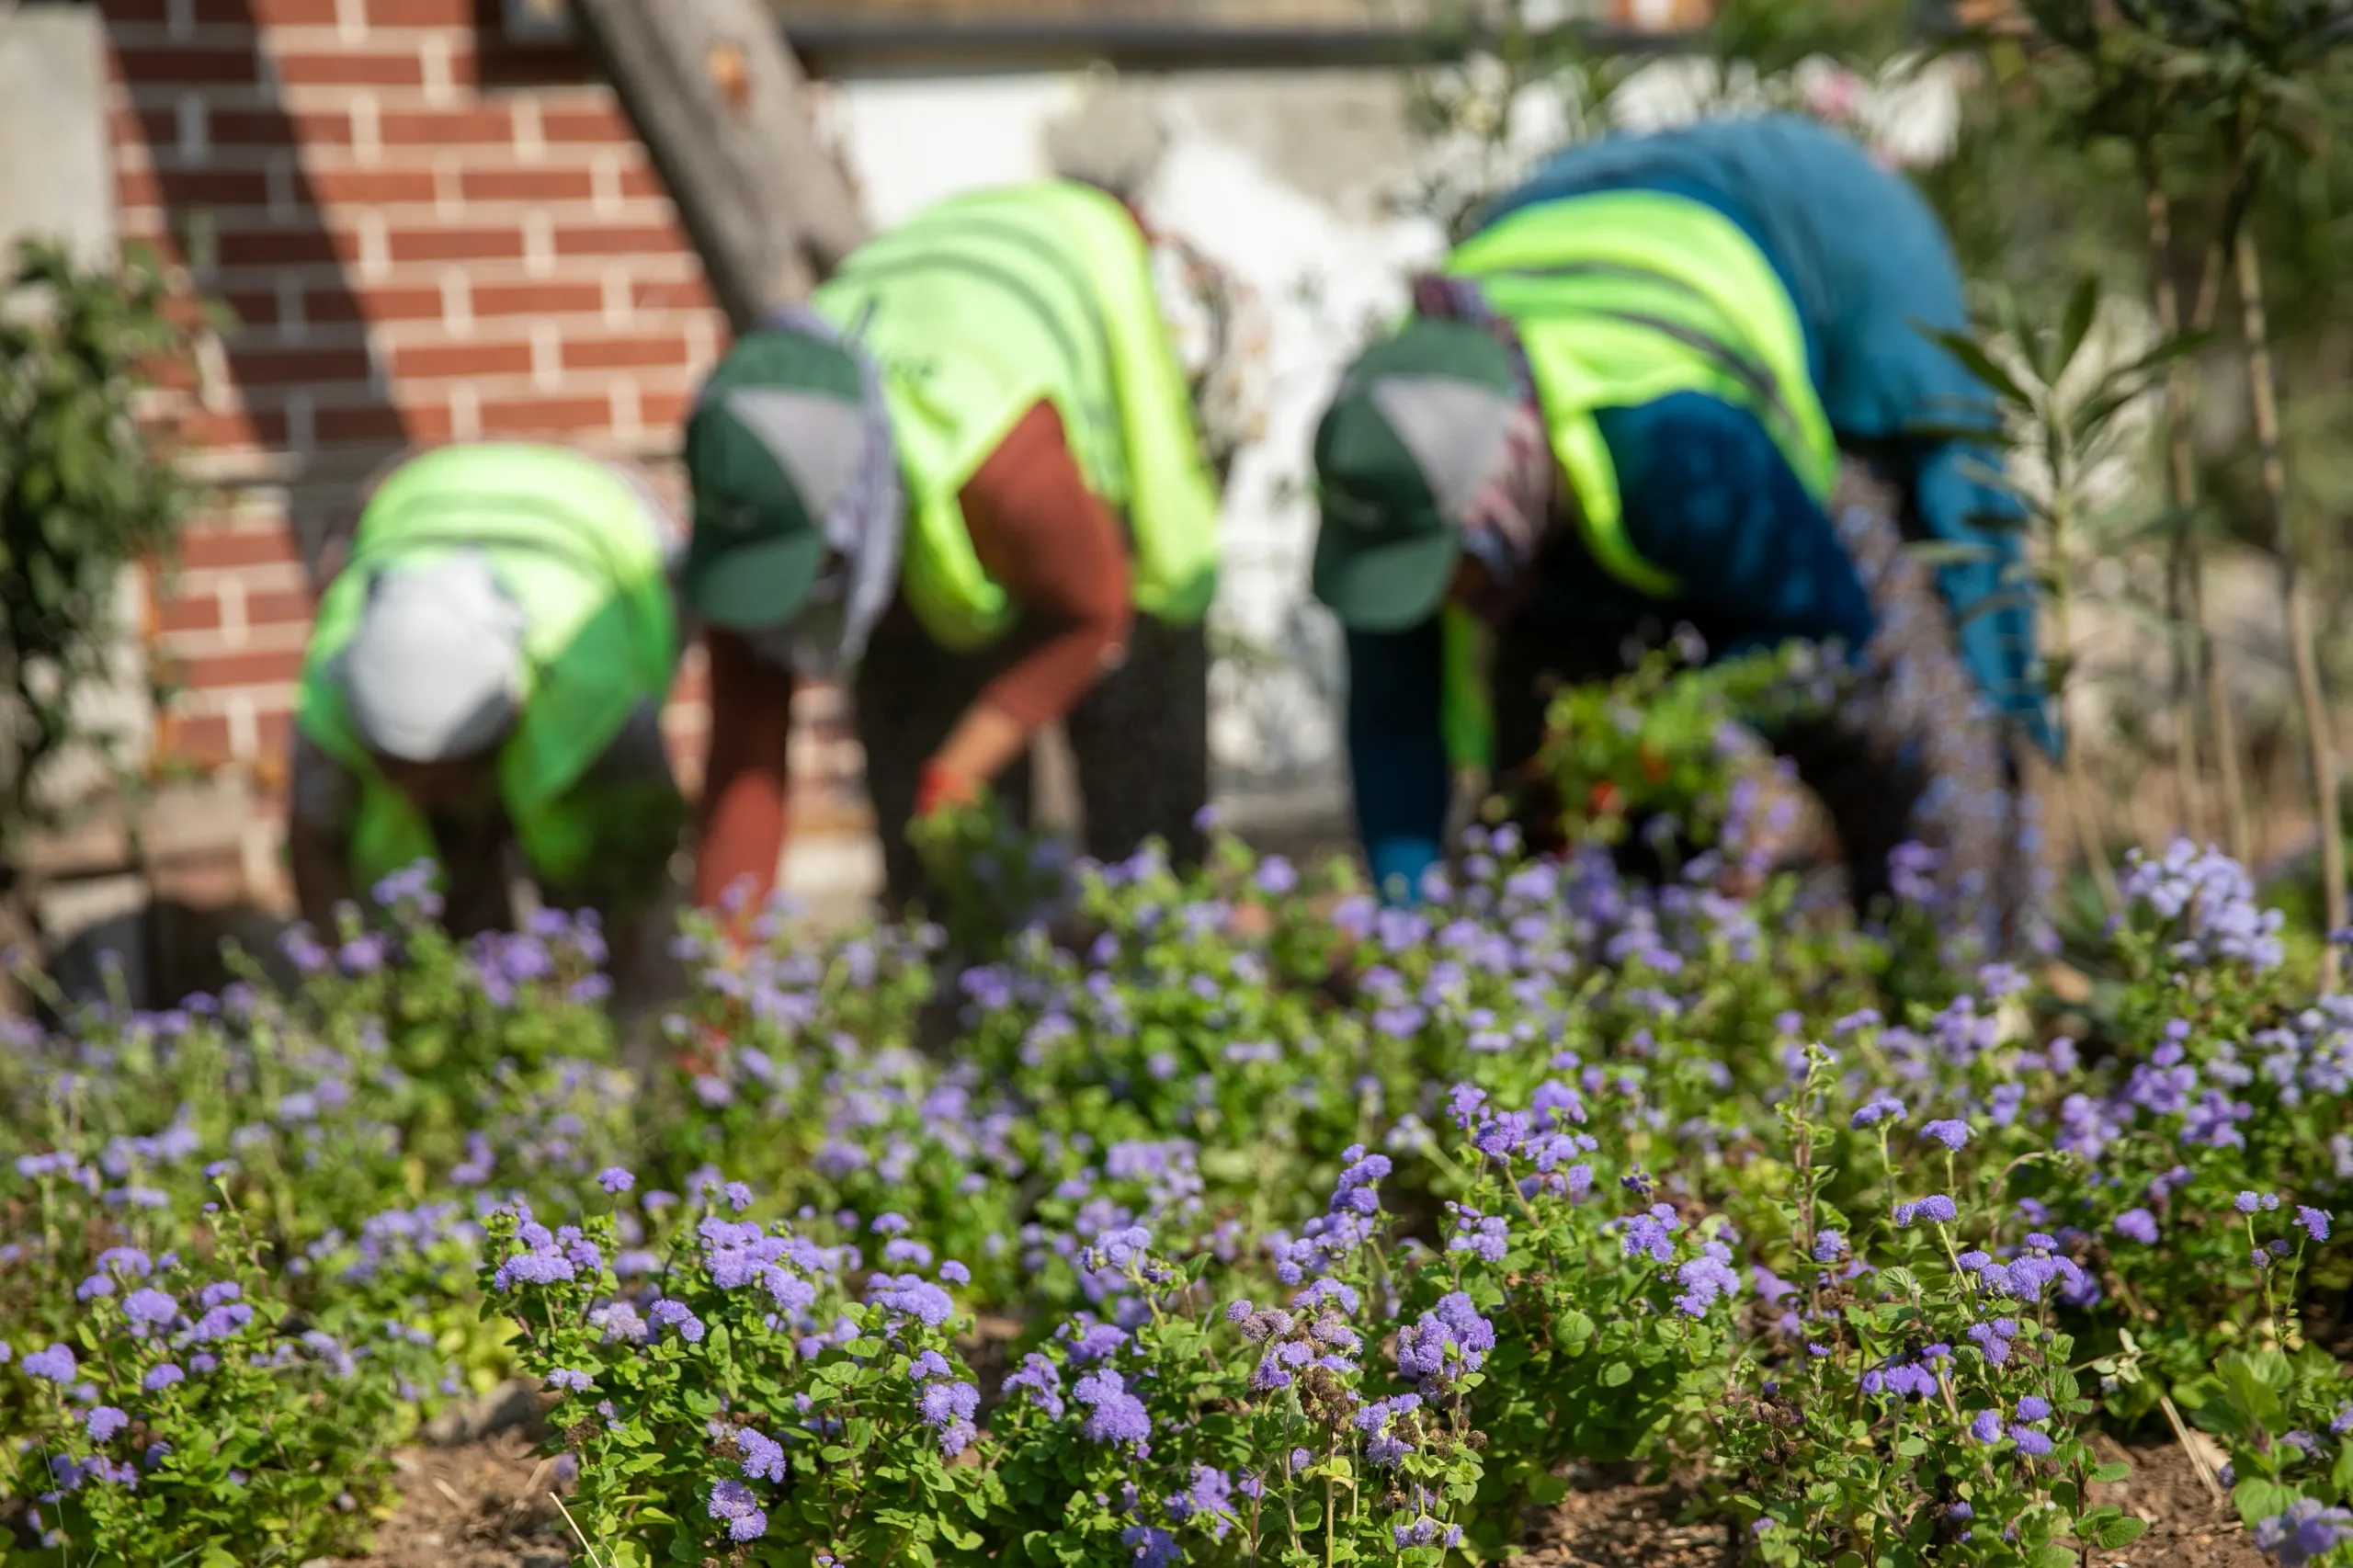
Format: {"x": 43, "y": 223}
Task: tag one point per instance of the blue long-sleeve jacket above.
{"x": 1706, "y": 494}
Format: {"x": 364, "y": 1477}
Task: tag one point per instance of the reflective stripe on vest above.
{"x": 569, "y": 539}
{"x": 987, "y": 304}
{"x": 1621, "y": 297}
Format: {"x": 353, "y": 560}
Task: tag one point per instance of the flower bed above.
{"x": 1309, "y": 1231}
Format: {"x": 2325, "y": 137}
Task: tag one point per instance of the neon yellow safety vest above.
{"x": 979, "y": 308}
{"x": 1620, "y": 298}
{"x": 568, "y": 537}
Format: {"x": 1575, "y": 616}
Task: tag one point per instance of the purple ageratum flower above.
{"x": 534, "y": 1267}
{"x": 763, "y": 1455}
{"x": 1885, "y": 1109}
{"x": 1829, "y": 1247}
{"x": 570, "y": 1381}
{"x": 150, "y": 1309}
{"x": 1151, "y": 1547}
{"x": 732, "y": 1504}
{"x": 2032, "y": 1443}
{"x": 1935, "y": 1207}
{"x": 1952, "y": 1134}
{"x": 1649, "y": 1234}
{"x": 1986, "y": 1426}
{"x": 680, "y": 1316}
{"x": 1114, "y": 1415}
{"x": 1706, "y": 1279}
{"x": 911, "y": 1295}
{"x": 616, "y": 1180}
{"x": 2246, "y": 1202}
{"x": 1487, "y": 1236}
{"x": 2034, "y": 1408}
{"x": 54, "y": 1365}
{"x": 2313, "y": 1220}
{"x": 1043, "y": 1382}
{"x": 104, "y": 1422}
{"x": 955, "y": 1273}
{"x": 1450, "y": 1334}
{"x": 2137, "y": 1225}
{"x": 890, "y": 1225}
{"x": 2305, "y": 1531}
{"x": 1095, "y": 1342}
{"x": 1209, "y": 1496}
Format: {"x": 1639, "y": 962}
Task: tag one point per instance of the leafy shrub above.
{"x": 1247, "y": 1221}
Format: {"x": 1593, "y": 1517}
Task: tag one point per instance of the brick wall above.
{"x": 424, "y": 235}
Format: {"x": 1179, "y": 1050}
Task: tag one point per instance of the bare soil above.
{"x": 486, "y": 1505}
{"x": 490, "y": 1503}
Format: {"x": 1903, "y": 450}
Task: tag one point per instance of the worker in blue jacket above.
{"x": 1652, "y": 388}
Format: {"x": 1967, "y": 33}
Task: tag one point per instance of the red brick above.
{"x": 262, "y": 666}
{"x": 497, "y": 299}
{"x": 188, "y": 65}
{"x": 201, "y": 738}
{"x": 298, "y": 367}
{"x": 227, "y": 13}
{"x": 352, "y": 68}
{"x": 372, "y": 422}
{"x": 527, "y": 185}
{"x": 235, "y": 427}
{"x": 278, "y": 607}
{"x": 295, "y": 247}
{"x": 640, "y": 180}
{"x": 618, "y": 239}
{"x": 625, "y": 353}
{"x": 265, "y": 128}
{"x": 199, "y": 612}
{"x": 376, "y": 303}
{"x": 601, "y": 124}
{"x": 657, "y": 410}
{"x": 546, "y": 416}
{"x": 447, "y": 128}
{"x": 191, "y": 187}
{"x": 202, "y": 548}
{"x": 330, "y": 305}
{"x": 692, "y": 294}
{"x": 462, "y": 360}
{"x": 421, "y": 12}
{"x": 372, "y": 187}
{"x": 457, "y": 244}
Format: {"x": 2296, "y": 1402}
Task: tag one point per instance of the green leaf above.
{"x": 1966, "y": 348}
{"x": 2119, "y": 1533}
{"x": 2083, "y": 308}
{"x": 2108, "y": 1475}
{"x": 1617, "y": 1375}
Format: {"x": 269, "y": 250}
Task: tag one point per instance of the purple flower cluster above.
{"x": 1449, "y": 1339}
{"x": 1113, "y": 1414}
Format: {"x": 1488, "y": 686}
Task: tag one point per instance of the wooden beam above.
{"x": 718, "y": 100}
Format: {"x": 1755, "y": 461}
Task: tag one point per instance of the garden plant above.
{"x": 1246, "y": 1219}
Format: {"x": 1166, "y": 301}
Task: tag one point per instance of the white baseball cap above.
{"x": 435, "y": 670}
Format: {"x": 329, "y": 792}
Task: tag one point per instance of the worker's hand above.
{"x": 944, "y": 789}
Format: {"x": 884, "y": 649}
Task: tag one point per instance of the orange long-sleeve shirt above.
{"x": 1041, "y": 535}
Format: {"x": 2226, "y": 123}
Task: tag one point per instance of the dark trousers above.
{"x": 1139, "y": 738}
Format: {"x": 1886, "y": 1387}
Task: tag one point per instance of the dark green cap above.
{"x": 1411, "y": 435}
{"x": 777, "y": 437}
